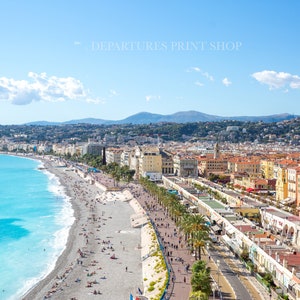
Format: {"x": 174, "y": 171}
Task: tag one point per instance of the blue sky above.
{"x": 64, "y": 60}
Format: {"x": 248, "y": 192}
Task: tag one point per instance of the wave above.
{"x": 64, "y": 218}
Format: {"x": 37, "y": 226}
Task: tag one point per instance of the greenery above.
{"x": 117, "y": 172}
{"x": 245, "y": 255}
{"x": 192, "y": 225}
{"x": 94, "y": 161}
{"x": 268, "y": 279}
{"x": 214, "y": 194}
{"x": 201, "y": 279}
{"x": 196, "y": 232}
{"x": 286, "y": 131}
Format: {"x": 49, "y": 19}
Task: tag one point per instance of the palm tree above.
{"x": 186, "y": 226}
{"x": 196, "y": 231}
{"x": 201, "y": 279}
{"x": 198, "y": 296}
{"x": 177, "y": 210}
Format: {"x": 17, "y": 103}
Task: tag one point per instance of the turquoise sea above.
{"x": 35, "y": 218}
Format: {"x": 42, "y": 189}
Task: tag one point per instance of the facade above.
{"x": 92, "y": 148}
{"x": 125, "y": 157}
{"x": 292, "y": 180}
{"x": 267, "y": 168}
{"x": 150, "y": 162}
{"x": 134, "y": 161}
{"x": 167, "y": 163}
{"x": 281, "y": 183}
{"x": 209, "y": 166}
{"x": 298, "y": 191}
{"x": 185, "y": 166}
{"x": 44, "y": 148}
{"x": 250, "y": 167}
{"x": 113, "y": 155}
{"x": 241, "y": 165}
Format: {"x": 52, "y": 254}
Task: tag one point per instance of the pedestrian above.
{"x": 184, "y": 279}
{"x": 126, "y": 269}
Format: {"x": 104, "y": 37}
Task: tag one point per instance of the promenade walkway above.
{"x": 175, "y": 249}
{"x": 228, "y": 273}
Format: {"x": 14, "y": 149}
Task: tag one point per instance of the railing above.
{"x": 166, "y": 295}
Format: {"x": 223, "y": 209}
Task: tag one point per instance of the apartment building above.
{"x": 267, "y": 168}
{"x": 92, "y": 148}
{"x": 185, "y": 166}
{"x": 241, "y": 165}
{"x": 292, "y": 179}
{"x": 113, "y": 155}
{"x": 125, "y": 157}
{"x": 150, "y": 163}
{"x": 167, "y": 162}
{"x": 208, "y": 165}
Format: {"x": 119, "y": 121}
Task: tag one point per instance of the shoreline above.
{"x": 88, "y": 236}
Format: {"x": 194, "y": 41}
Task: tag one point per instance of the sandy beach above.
{"x": 102, "y": 258}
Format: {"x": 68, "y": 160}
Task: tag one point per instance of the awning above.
{"x": 216, "y": 228}
{"x": 230, "y": 230}
{"x": 288, "y": 201}
{"x": 220, "y": 221}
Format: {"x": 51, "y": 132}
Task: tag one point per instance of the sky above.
{"x": 67, "y": 60}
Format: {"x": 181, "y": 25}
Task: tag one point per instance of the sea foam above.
{"x": 37, "y": 216}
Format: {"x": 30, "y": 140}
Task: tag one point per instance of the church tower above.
{"x": 216, "y": 151}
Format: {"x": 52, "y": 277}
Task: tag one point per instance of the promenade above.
{"x": 176, "y": 251}
{"x": 233, "y": 279}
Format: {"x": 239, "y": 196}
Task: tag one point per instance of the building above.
{"x": 150, "y": 163}
{"x": 267, "y": 168}
{"x": 113, "y": 155}
{"x": 209, "y": 166}
{"x": 125, "y": 157}
{"x": 292, "y": 180}
{"x": 167, "y": 163}
{"x": 92, "y": 148}
{"x": 242, "y": 165}
{"x": 185, "y": 166}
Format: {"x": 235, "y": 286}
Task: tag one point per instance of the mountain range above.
{"x": 179, "y": 117}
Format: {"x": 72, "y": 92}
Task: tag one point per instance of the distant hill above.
{"x": 179, "y": 117}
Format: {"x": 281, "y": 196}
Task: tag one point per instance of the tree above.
{"x": 198, "y": 296}
{"x": 196, "y": 232}
{"x": 201, "y": 279}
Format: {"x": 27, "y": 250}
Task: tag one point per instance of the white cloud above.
{"x": 198, "y": 70}
{"x": 113, "y": 93}
{"x": 198, "y": 83}
{"x": 96, "y": 100}
{"x": 193, "y": 69}
{"x": 40, "y": 87}
{"x": 277, "y": 80}
{"x": 208, "y": 76}
{"x": 77, "y": 43}
{"x": 152, "y": 97}
{"x": 226, "y": 81}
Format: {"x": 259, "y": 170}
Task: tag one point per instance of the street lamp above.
{"x": 214, "y": 288}
{"x": 218, "y": 272}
